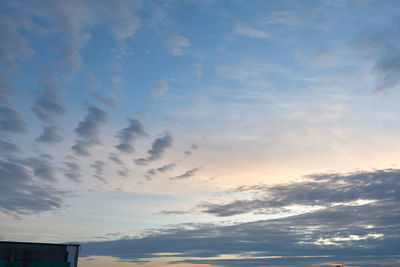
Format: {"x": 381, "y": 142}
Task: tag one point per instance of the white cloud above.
{"x": 176, "y": 43}
{"x": 245, "y": 30}
{"x": 160, "y": 87}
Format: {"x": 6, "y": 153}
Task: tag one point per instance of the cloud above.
{"x": 318, "y": 190}
{"x": 5, "y": 89}
{"x": 176, "y": 43}
{"x": 388, "y": 71}
{"x": 160, "y": 87}
{"x": 50, "y": 134}
{"x": 192, "y": 148}
{"x": 346, "y": 233}
{"x": 13, "y": 45}
{"x": 73, "y": 171}
{"x": 114, "y": 157}
{"x": 11, "y": 121}
{"x": 187, "y": 174}
{"x": 94, "y": 83}
{"x": 108, "y": 101}
{"x": 21, "y": 193}
{"x": 245, "y": 30}
{"x": 125, "y": 23}
{"x": 88, "y": 129}
{"x": 7, "y": 148}
{"x": 42, "y": 168}
{"x": 123, "y": 172}
{"x": 48, "y": 103}
{"x": 98, "y": 167}
{"x": 157, "y": 149}
{"x": 127, "y": 135}
{"x": 151, "y": 172}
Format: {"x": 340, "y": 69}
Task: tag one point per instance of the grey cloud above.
{"x": 157, "y": 149}
{"x": 7, "y": 148}
{"x": 76, "y": 26}
{"x": 11, "y": 121}
{"x": 188, "y": 174}
{"x": 388, "y": 70}
{"x": 114, "y": 157}
{"x": 151, "y": 172}
{"x": 321, "y": 190}
{"x": 48, "y": 103}
{"x": 88, "y": 130}
{"x": 127, "y": 135}
{"x": 123, "y": 172}
{"x": 383, "y": 45}
{"x": 42, "y": 168}
{"x": 98, "y": 167}
{"x": 21, "y": 193}
{"x": 108, "y": 101}
{"x": 192, "y": 148}
{"x": 13, "y": 45}
{"x": 50, "y": 134}
{"x": 73, "y": 171}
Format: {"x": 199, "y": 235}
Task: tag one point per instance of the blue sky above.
{"x": 202, "y": 133}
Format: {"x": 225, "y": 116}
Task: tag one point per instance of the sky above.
{"x": 202, "y": 133}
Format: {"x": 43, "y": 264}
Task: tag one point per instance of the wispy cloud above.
{"x": 248, "y": 31}
{"x": 176, "y": 43}
{"x": 187, "y": 174}
{"x": 160, "y": 87}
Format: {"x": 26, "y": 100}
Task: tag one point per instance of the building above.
{"x": 26, "y": 254}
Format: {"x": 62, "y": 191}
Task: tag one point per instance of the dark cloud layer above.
{"x": 127, "y": 135}
{"x": 347, "y": 233}
{"x": 88, "y": 130}
{"x": 157, "y": 149}
{"x": 321, "y": 190}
